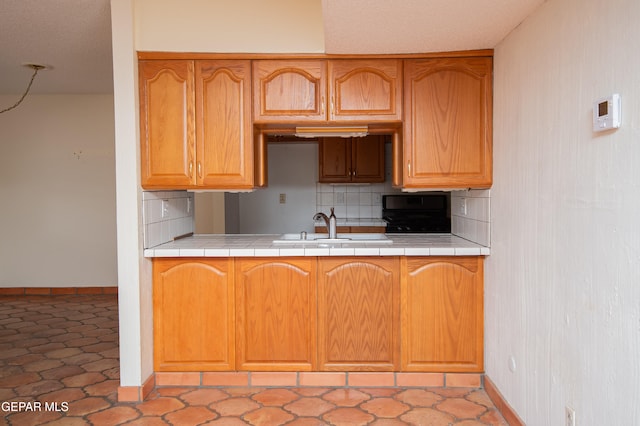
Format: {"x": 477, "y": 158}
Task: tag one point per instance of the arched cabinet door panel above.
{"x": 167, "y": 127}
{"x": 358, "y": 314}
{"x": 369, "y": 90}
{"x": 194, "y": 319}
{"x": 442, "y": 314}
{"x": 289, "y": 91}
{"x": 223, "y": 123}
{"x": 448, "y": 123}
{"x": 276, "y": 314}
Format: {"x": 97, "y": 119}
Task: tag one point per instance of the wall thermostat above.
{"x": 606, "y": 113}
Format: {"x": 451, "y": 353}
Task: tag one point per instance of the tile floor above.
{"x": 59, "y": 366}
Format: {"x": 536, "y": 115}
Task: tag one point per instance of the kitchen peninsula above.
{"x": 248, "y": 303}
{"x": 412, "y": 303}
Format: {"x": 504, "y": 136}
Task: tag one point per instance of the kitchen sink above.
{"x": 312, "y": 238}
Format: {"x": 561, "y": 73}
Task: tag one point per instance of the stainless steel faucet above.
{"x": 330, "y": 222}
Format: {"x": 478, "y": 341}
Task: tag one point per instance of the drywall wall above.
{"x": 275, "y": 26}
{"x": 209, "y": 213}
{"x": 57, "y": 191}
{"x": 135, "y": 311}
{"x": 293, "y": 171}
{"x": 563, "y": 279}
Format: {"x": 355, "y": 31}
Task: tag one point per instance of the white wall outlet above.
{"x": 165, "y": 208}
{"x": 189, "y": 206}
{"x": 463, "y": 206}
{"x": 283, "y": 198}
{"x": 569, "y": 416}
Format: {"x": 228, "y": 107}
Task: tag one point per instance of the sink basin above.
{"x": 341, "y": 239}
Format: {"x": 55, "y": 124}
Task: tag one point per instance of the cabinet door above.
{"x": 193, "y": 321}
{"x": 447, "y": 126}
{"x": 276, "y": 314}
{"x": 289, "y": 91}
{"x": 365, "y": 90}
{"x": 344, "y": 160}
{"x": 442, "y": 314}
{"x": 167, "y": 126}
{"x": 223, "y": 123}
{"x": 334, "y": 155}
{"x": 367, "y": 159}
{"x": 358, "y": 315}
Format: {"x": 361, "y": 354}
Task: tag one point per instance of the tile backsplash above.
{"x": 166, "y": 215}
{"x": 470, "y": 210}
{"x": 353, "y": 201}
{"x": 471, "y": 215}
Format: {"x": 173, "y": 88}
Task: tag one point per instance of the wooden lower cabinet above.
{"x": 442, "y": 314}
{"x": 358, "y": 314}
{"x": 318, "y": 314}
{"x": 276, "y": 314}
{"x": 193, "y": 305}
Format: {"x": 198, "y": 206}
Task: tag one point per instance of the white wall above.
{"x": 563, "y": 279}
{"x": 293, "y": 171}
{"x": 57, "y": 192}
{"x": 229, "y": 26}
{"x": 135, "y": 312}
{"x": 209, "y": 213}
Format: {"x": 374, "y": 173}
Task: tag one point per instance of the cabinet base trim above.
{"x": 318, "y": 378}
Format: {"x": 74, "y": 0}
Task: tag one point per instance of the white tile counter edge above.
{"x": 237, "y": 245}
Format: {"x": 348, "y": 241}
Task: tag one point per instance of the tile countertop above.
{"x": 244, "y": 245}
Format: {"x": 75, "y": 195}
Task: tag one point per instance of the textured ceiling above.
{"x": 74, "y": 36}
{"x": 413, "y": 26}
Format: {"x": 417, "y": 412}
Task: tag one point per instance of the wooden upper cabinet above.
{"x": 195, "y": 124}
{"x": 223, "y": 124}
{"x": 289, "y": 90}
{"x": 448, "y": 123}
{"x": 365, "y": 89}
{"x": 442, "y": 314}
{"x": 339, "y": 90}
{"x": 351, "y": 160}
{"x": 334, "y": 158}
{"x": 167, "y": 126}
{"x": 367, "y": 159}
